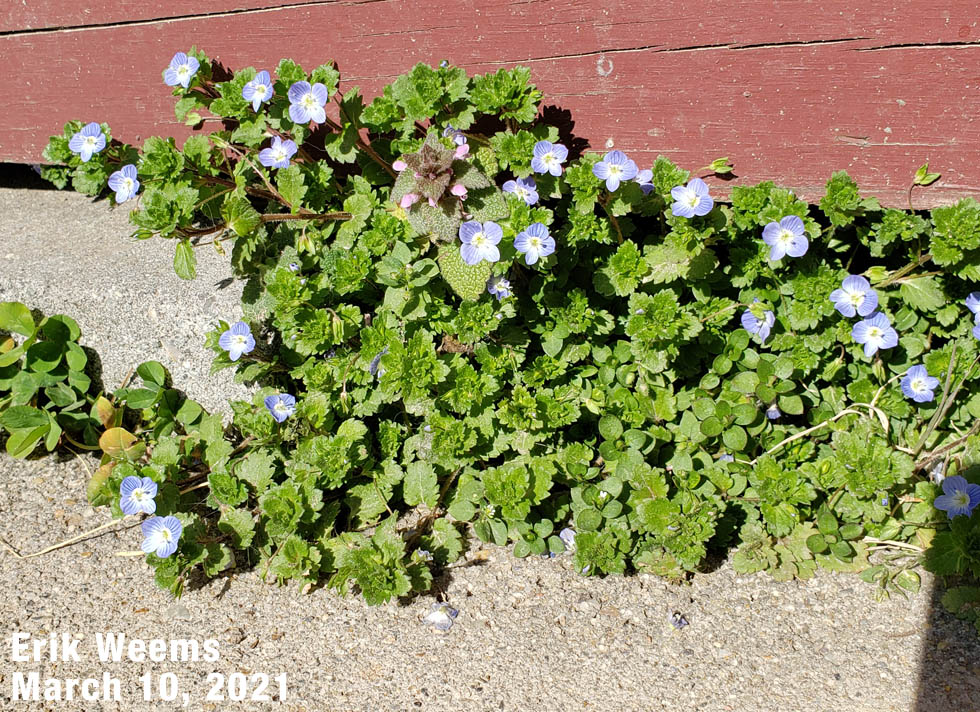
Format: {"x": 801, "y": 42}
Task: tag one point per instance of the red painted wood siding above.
{"x": 791, "y": 91}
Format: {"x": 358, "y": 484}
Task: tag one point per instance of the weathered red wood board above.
{"x": 791, "y": 91}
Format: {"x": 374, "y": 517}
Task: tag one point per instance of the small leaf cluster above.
{"x": 48, "y": 397}
{"x": 613, "y": 392}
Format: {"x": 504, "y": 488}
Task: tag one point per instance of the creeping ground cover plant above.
{"x": 454, "y": 317}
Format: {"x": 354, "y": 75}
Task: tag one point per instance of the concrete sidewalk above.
{"x": 531, "y": 634}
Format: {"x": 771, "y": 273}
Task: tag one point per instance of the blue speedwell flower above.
{"x": 691, "y": 199}
{"x": 918, "y": 385}
{"x": 534, "y": 243}
{"x": 181, "y": 70}
{"x": 523, "y": 188}
{"x": 548, "y": 157}
{"x": 759, "y": 328}
{"x": 479, "y": 241}
{"x": 136, "y": 495}
{"x": 458, "y": 137}
{"x": 259, "y": 90}
{"x": 855, "y": 296}
{"x": 90, "y": 140}
{"x": 306, "y": 103}
{"x": 973, "y": 302}
{"x": 773, "y": 412}
{"x": 959, "y": 497}
{"x": 278, "y": 154}
{"x": 614, "y": 168}
{"x": 237, "y": 340}
{"x": 375, "y": 366}
{"x": 976, "y": 328}
{"x": 645, "y": 179}
{"x": 441, "y": 617}
{"x": 125, "y": 183}
{"x": 785, "y": 237}
{"x": 567, "y": 536}
{"x": 281, "y": 406}
{"x": 875, "y": 333}
{"x": 499, "y": 287}
{"x": 161, "y": 535}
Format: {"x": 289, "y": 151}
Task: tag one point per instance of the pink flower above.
{"x": 408, "y": 200}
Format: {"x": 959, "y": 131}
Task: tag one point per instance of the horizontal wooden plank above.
{"x": 787, "y": 100}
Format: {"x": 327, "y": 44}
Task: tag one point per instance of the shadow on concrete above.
{"x": 21, "y": 175}
{"x": 949, "y": 670}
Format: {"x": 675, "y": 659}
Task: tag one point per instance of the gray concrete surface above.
{"x": 531, "y": 635}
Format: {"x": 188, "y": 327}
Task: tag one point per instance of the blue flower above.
{"x": 459, "y": 138}
{"x": 88, "y": 141}
{"x": 614, "y": 168}
{"x": 976, "y": 328}
{"x": 855, "y": 297}
{"x": 499, "y": 287}
{"x": 181, "y": 70}
{"x": 918, "y": 385}
{"x": 125, "y": 183}
{"x": 726, "y": 457}
{"x": 281, "y": 406}
{"x": 479, "y": 241}
{"x": 548, "y": 157}
{"x": 756, "y": 326}
{"x": 237, "y": 340}
{"x": 691, "y": 199}
{"x": 875, "y": 333}
{"x": 161, "y": 535}
{"x": 773, "y": 412}
{"x": 306, "y": 103}
{"x": 645, "y": 179}
{"x": 534, "y": 243}
{"x": 973, "y": 302}
{"x": 785, "y": 237}
{"x": 277, "y": 155}
{"x": 523, "y": 188}
{"x": 136, "y": 495}
{"x": 441, "y": 617}
{"x": 375, "y": 366}
{"x": 960, "y": 497}
{"x": 567, "y": 536}
{"x": 258, "y": 90}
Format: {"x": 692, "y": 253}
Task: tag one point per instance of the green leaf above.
{"x": 290, "y": 184}
{"x": 420, "y": 485}
{"x": 185, "y": 262}
{"x": 21, "y": 443}
{"x": 239, "y": 525}
{"x": 16, "y": 318}
{"x": 468, "y": 281}
{"x": 153, "y": 372}
{"x": 924, "y": 177}
{"x": 923, "y": 293}
{"x": 240, "y": 216}
{"x": 23, "y": 417}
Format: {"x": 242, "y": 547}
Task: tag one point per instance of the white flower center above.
{"x": 90, "y": 140}
{"x": 138, "y": 494}
{"x": 280, "y": 155}
{"x": 786, "y": 236}
{"x": 548, "y": 158}
{"x": 238, "y": 339}
{"x": 918, "y": 385}
{"x": 874, "y": 333}
{"x": 693, "y": 199}
{"x": 260, "y": 89}
{"x": 165, "y": 534}
{"x": 182, "y": 70}
{"x": 534, "y": 243}
{"x": 615, "y": 170}
{"x": 281, "y": 408}
{"x": 309, "y": 101}
{"x": 961, "y": 499}
{"x": 856, "y": 298}
{"x": 127, "y": 185}
{"x": 521, "y": 193}
{"x": 479, "y": 240}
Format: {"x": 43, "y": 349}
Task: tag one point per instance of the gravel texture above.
{"x": 531, "y": 634}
